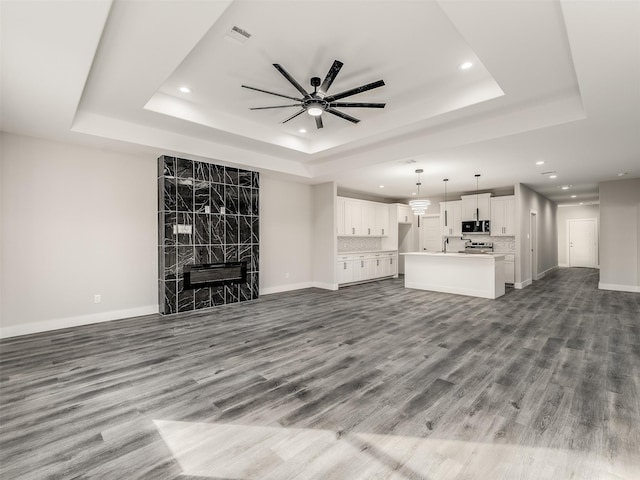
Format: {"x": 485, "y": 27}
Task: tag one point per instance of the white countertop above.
{"x": 457, "y": 255}
{"x": 367, "y": 252}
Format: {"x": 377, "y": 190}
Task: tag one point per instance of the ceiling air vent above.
{"x": 239, "y": 35}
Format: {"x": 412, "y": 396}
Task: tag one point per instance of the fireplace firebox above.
{"x": 214, "y": 274}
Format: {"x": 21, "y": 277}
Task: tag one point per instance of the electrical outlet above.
{"x": 97, "y": 298}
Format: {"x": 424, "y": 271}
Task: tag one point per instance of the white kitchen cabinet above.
{"x": 361, "y": 218}
{"x": 352, "y": 217}
{"x": 363, "y": 267}
{"x": 390, "y": 264}
{"x": 356, "y": 267}
{"x": 382, "y": 219}
{"x": 509, "y": 269}
{"x": 369, "y": 219}
{"x": 405, "y": 214}
{"x": 503, "y": 216}
{"x": 451, "y": 218}
{"x": 481, "y": 202}
{"x": 344, "y": 268}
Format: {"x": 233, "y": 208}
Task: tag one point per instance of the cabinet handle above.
{"x": 383, "y": 232}
{"x": 345, "y": 265}
{"x": 392, "y": 261}
{"x": 445, "y": 219}
{"x": 353, "y": 230}
{"x": 377, "y": 263}
{"x": 405, "y": 219}
{"x": 368, "y": 231}
{"x": 361, "y": 263}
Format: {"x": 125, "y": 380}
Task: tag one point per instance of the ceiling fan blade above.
{"x": 294, "y": 115}
{"x": 356, "y": 105}
{"x": 271, "y": 93}
{"x": 331, "y": 76}
{"x": 292, "y": 80}
{"x": 355, "y": 91}
{"x": 342, "y": 115}
{"x": 275, "y": 106}
{"x": 319, "y": 121}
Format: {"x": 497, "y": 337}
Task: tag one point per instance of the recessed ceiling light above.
{"x": 565, "y": 187}
{"x": 381, "y": 186}
{"x": 581, "y": 203}
{"x": 553, "y": 176}
{"x": 413, "y": 193}
{"x": 185, "y": 89}
{"x": 622, "y": 174}
{"x": 465, "y": 66}
{"x": 302, "y": 130}
{"x": 540, "y": 162}
{"x": 573, "y": 196}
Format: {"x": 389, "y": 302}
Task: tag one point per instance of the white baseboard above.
{"x": 285, "y": 288}
{"x": 58, "y": 323}
{"x": 566, "y": 265}
{"x": 325, "y": 286}
{"x": 619, "y": 288}
{"x": 521, "y": 285}
{"x": 297, "y": 286}
{"x": 546, "y": 272}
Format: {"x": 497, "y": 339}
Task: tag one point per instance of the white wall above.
{"x": 75, "y": 222}
{"x": 325, "y": 242}
{"x": 79, "y": 221}
{"x": 286, "y": 235}
{"x": 620, "y": 235}
{"x": 573, "y": 212}
{"x": 528, "y": 201}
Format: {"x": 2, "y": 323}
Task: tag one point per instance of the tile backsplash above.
{"x": 500, "y": 244}
{"x": 359, "y": 244}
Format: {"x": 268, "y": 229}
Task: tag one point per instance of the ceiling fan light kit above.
{"x": 318, "y": 102}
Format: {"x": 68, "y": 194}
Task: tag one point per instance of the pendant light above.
{"x": 419, "y": 205}
{"x": 477, "y": 209}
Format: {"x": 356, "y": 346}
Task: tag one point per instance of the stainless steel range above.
{"x": 478, "y": 247}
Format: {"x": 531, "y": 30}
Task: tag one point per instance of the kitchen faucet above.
{"x": 444, "y": 245}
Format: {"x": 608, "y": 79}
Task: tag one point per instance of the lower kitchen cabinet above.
{"x": 361, "y": 267}
{"x": 344, "y": 269}
{"x": 509, "y": 269}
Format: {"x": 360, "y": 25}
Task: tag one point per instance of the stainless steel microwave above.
{"x": 476, "y": 227}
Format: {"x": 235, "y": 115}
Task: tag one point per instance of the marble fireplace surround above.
{"x": 207, "y": 214}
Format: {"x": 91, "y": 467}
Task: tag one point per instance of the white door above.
{"x": 583, "y": 243}
{"x": 430, "y": 234}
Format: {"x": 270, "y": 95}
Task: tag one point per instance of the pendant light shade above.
{"x": 419, "y": 205}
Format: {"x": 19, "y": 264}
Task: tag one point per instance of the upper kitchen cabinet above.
{"x": 360, "y": 218}
{"x": 353, "y": 212}
{"x": 503, "y": 216}
{"x": 405, "y": 214}
{"x": 451, "y": 218}
{"x": 382, "y": 219}
{"x": 474, "y": 203}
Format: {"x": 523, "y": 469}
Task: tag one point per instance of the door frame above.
{"x": 595, "y": 234}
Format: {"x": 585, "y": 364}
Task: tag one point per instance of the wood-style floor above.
{"x": 371, "y": 382}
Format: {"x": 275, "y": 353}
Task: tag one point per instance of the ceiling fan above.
{"x": 318, "y": 101}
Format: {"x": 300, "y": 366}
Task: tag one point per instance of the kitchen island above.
{"x": 476, "y": 275}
